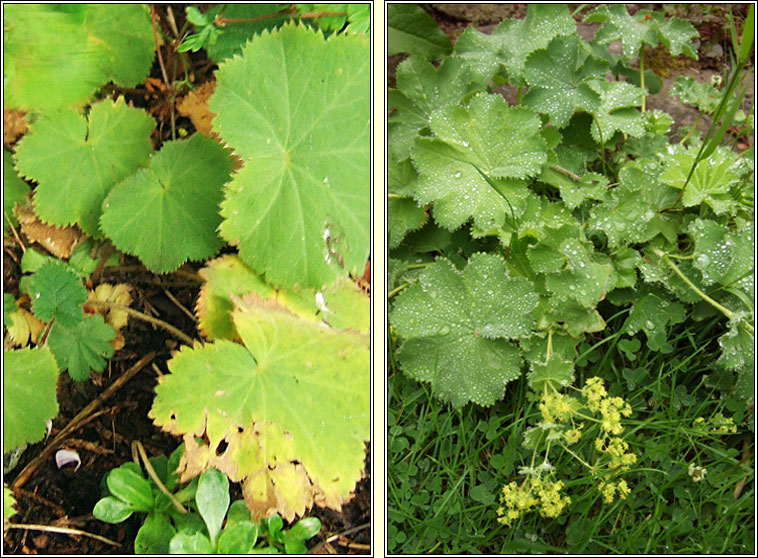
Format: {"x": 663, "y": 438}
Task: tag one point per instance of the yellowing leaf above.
{"x": 26, "y": 327}
{"x": 288, "y": 412}
{"x": 114, "y": 294}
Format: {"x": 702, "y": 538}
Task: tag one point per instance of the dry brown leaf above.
{"x": 25, "y": 326}
{"x": 14, "y": 126}
{"x": 59, "y": 241}
{"x": 114, "y": 294}
{"x": 195, "y": 106}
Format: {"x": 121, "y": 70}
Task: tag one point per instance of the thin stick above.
{"x": 95, "y": 277}
{"x": 155, "y": 321}
{"x": 158, "y": 47}
{"x": 15, "y": 233}
{"x": 326, "y": 543}
{"x": 150, "y": 471}
{"x": 79, "y": 419}
{"x": 172, "y": 298}
{"x": 64, "y": 530}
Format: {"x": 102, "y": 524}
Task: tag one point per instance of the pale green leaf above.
{"x": 485, "y": 140}
{"x": 738, "y": 354}
{"x": 513, "y": 40}
{"x": 167, "y": 213}
{"x": 425, "y": 89}
{"x": 616, "y": 112}
{"x": 56, "y": 292}
{"x": 411, "y": 30}
{"x": 9, "y": 504}
{"x": 456, "y": 337}
{"x": 292, "y": 406}
{"x": 700, "y": 94}
{"x": 711, "y": 181}
{"x": 83, "y": 347}
{"x": 552, "y": 375}
{"x": 58, "y": 56}
{"x": 212, "y": 498}
{"x": 653, "y": 314}
{"x": 582, "y": 279}
{"x": 30, "y": 384}
{"x": 296, "y": 108}
{"x": 556, "y": 77}
{"x": 78, "y": 159}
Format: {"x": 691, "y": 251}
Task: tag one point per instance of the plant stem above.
{"x": 396, "y": 290}
{"x": 642, "y": 76}
{"x": 155, "y": 321}
{"x": 724, "y": 310}
{"x": 150, "y": 471}
{"x": 64, "y": 530}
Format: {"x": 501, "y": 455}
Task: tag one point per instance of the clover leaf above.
{"x": 167, "y": 214}
{"x": 456, "y": 336}
{"x": 30, "y": 385}
{"x": 78, "y": 159}
{"x": 291, "y": 405}
{"x": 468, "y": 170}
{"x": 557, "y": 76}
{"x": 302, "y": 130}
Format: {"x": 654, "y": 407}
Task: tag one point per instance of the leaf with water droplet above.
{"x": 652, "y": 314}
{"x": 465, "y": 349}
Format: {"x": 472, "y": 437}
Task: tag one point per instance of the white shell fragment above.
{"x": 65, "y": 457}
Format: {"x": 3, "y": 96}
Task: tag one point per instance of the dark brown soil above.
{"x": 65, "y": 497}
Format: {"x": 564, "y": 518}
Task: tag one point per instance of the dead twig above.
{"x": 64, "y": 530}
{"x": 79, "y": 419}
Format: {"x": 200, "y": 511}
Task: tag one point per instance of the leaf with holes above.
{"x": 78, "y": 159}
{"x": 302, "y": 128}
{"x": 287, "y": 412}
{"x": 30, "y": 384}
{"x": 455, "y": 338}
{"x": 167, "y": 214}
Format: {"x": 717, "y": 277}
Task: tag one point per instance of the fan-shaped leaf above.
{"x": 57, "y": 293}
{"x": 456, "y": 327}
{"x": 296, "y": 108}
{"x": 167, "y": 214}
{"x": 30, "y": 384}
{"x": 83, "y": 347}
{"x": 77, "y": 160}
{"x": 292, "y": 406}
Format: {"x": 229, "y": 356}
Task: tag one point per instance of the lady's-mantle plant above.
{"x": 515, "y": 229}
{"x": 278, "y": 397}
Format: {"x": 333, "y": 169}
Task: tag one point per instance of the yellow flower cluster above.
{"x": 534, "y": 493}
{"x": 608, "y": 489}
{"x": 717, "y": 424}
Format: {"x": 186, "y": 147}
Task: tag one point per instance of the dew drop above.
{"x": 457, "y": 174}
{"x": 649, "y": 325}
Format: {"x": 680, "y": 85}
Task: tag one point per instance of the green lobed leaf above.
{"x": 167, "y": 214}
{"x": 296, "y": 108}
{"x": 411, "y": 30}
{"x": 30, "y": 384}
{"x": 77, "y": 49}
{"x": 738, "y": 353}
{"x": 56, "y": 292}
{"x": 556, "y": 77}
{"x": 9, "y": 307}
{"x": 700, "y": 94}
{"x": 232, "y": 38}
{"x": 711, "y": 181}
{"x": 514, "y": 39}
{"x": 425, "y": 89}
{"x": 652, "y": 314}
{"x": 456, "y": 336}
{"x": 78, "y": 159}
{"x": 14, "y": 190}
{"x": 83, "y": 347}
{"x": 616, "y": 112}
{"x": 9, "y": 503}
{"x": 468, "y": 170}
{"x": 554, "y": 374}
{"x": 582, "y": 279}
{"x": 403, "y": 214}
{"x": 292, "y": 404}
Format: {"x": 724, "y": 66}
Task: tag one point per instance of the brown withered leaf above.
{"x": 14, "y": 126}
{"x": 59, "y": 241}
{"x": 195, "y": 106}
